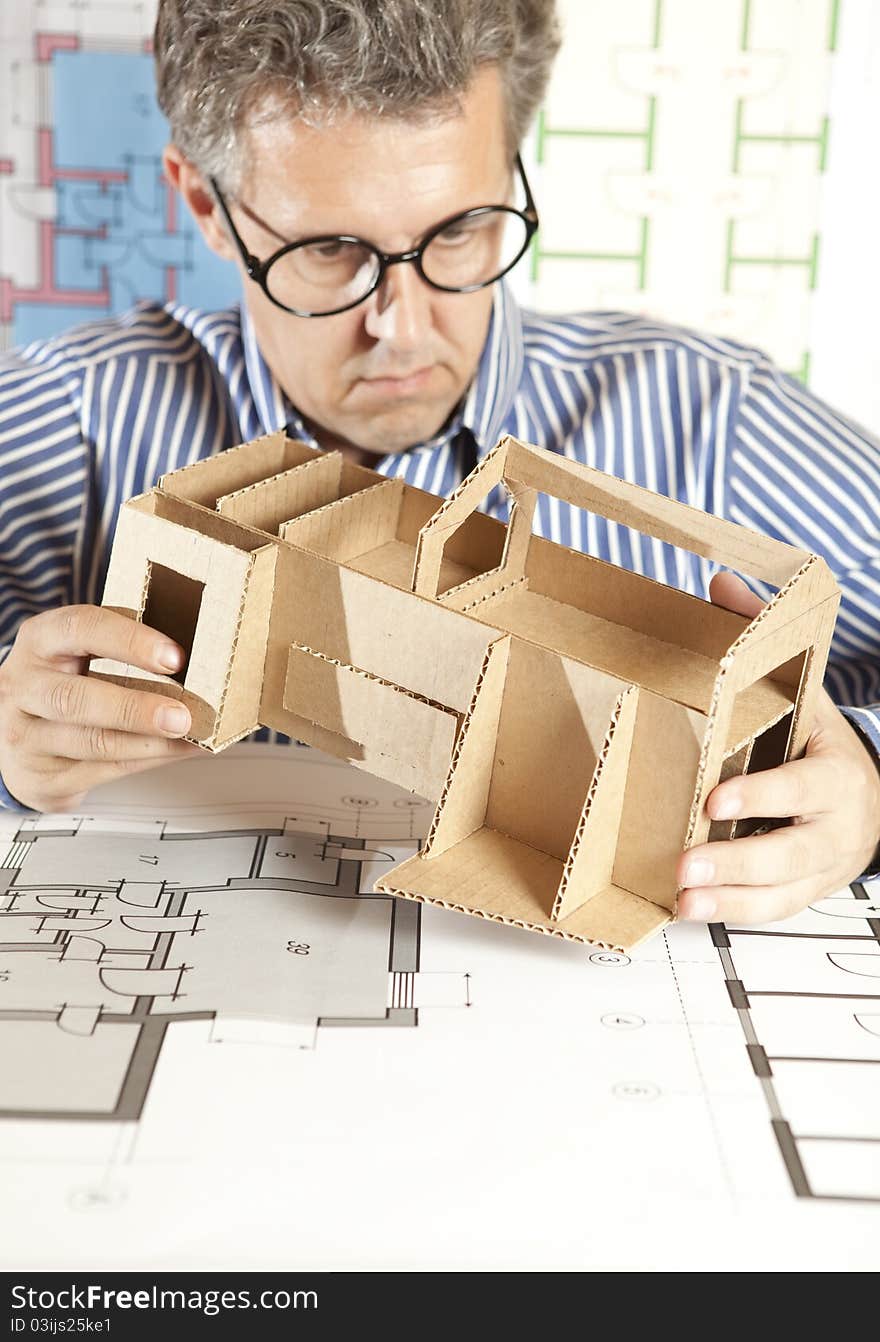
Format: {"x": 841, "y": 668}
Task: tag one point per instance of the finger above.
{"x": 63, "y": 740}
{"x": 782, "y": 857}
{"x": 745, "y": 905}
{"x": 86, "y": 702}
{"x": 799, "y": 788}
{"x": 95, "y": 631}
{"x": 727, "y": 590}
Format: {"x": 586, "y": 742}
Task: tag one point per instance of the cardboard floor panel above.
{"x": 393, "y": 561}
{"x": 757, "y": 708}
{"x": 664, "y": 668}
{"x": 495, "y": 876}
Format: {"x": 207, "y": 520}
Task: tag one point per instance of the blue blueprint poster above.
{"x": 89, "y": 225}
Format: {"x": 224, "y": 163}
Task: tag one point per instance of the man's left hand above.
{"x": 831, "y": 796}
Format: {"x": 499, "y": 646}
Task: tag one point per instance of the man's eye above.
{"x": 456, "y": 235}
{"x": 325, "y": 251}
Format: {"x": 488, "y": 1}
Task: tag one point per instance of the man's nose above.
{"x": 399, "y": 312}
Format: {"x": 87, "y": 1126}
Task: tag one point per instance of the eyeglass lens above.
{"x": 471, "y": 250}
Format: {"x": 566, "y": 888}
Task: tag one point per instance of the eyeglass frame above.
{"x": 257, "y": 270}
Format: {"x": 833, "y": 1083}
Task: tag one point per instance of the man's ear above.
{"x": 189, "y": 182}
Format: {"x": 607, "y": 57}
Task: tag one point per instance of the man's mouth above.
{"x": 406, "y": 384}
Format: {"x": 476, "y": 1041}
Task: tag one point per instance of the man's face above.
{"x": 386, "y": 374}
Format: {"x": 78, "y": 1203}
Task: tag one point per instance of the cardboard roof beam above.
{"x": 568, "y": 717}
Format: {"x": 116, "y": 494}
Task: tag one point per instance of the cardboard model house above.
{"x": 569, "y": 717}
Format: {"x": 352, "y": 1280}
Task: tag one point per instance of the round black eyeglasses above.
{"x": 320, "y": 276}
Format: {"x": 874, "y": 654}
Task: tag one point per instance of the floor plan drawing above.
{"x": 108, "y": 939}
{"x": 807, "y": 994}
{"x": 218, "y": 1048}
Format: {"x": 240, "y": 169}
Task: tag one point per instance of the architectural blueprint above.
{"x": 218, "y": 1048}
{"x": 108, "y": 937}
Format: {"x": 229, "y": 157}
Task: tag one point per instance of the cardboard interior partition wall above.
{"x": 569, "y": 717}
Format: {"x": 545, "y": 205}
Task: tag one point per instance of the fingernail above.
{"x": 727, "y": 807}
{"x": 698, "y": 908}
{"x": 699, "y": 872}
{"x": 174, "y": 721}
{"x": 170, "y": 657}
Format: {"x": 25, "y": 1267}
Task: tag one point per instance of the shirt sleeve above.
{"x": 43, "y": 479}
{"x": 799, "y": 471}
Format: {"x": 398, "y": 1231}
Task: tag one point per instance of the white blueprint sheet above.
{"x": 218, "y": 1050}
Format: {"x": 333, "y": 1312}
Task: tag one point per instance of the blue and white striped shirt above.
{"x": 97, "y": 415}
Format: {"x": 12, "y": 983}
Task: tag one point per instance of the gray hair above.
{"x": 222, "y": 64}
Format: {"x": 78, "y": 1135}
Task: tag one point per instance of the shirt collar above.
{"x": 489, "y": 398}
{"x": 271, "y": 407}
{"x": 483, "y": 411}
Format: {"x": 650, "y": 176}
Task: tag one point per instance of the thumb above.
{"x": 727, "y": 590}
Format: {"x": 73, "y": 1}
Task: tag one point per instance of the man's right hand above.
{"x": 62, "y": 732}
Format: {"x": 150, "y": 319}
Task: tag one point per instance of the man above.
{"x": 342, "y": 155}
